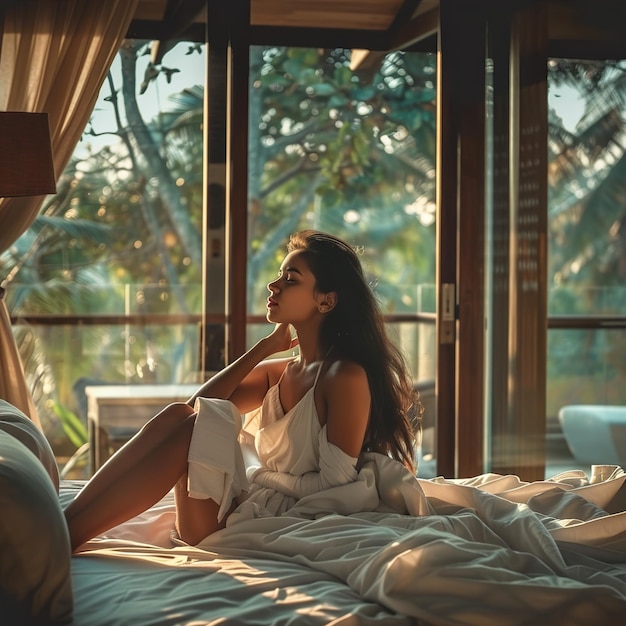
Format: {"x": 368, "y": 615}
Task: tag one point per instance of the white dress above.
{"x": 268, "y": 465}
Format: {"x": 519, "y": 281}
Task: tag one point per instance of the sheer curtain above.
{"x": 54, "y": 57}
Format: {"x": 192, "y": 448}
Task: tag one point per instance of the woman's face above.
{"x": 293, "y": 296}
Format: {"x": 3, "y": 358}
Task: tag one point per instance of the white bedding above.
{"x": 488, "y": 550}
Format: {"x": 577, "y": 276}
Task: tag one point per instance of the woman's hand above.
{"x": 246, "y": 381}
{"x": 280, "y": 339}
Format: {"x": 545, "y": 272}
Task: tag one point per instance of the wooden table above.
{"x": 116, "y": 412}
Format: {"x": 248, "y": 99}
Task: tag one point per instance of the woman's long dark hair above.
{"x": 355, "y": 330}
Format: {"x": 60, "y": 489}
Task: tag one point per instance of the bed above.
{"x": 479, "y": 551}
{"x": 491, "y": 550}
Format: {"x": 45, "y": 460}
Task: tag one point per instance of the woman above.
{"x": 348, "y": 391}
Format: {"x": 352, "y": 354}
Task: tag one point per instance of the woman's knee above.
{"x": 176, "y": 411}
{"x": 170, "y": 417}
{"x": 178, "y": 408}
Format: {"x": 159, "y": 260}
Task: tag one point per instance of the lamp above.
{"x": 26, "y": 166}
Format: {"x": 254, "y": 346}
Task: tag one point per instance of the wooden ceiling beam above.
{"x": 318, "y": 37}
{"x": 153, "y": 30}
{"x": 179, "y": 15}
{"x": 404, "y": 14}
{"x": 577, "y": 28}
{"x": 419, "y": 33}
{"x": 422, "y": 28}
{"x": 581, "y": 29}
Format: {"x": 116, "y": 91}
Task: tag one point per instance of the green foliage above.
{"x": 352, "y": 152}
{"x": 587, "y": 219}
{"x": 587, "y": 178}
{"x": 72, "y": 425}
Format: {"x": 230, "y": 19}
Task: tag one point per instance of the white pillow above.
{"x": 35, "y": 554}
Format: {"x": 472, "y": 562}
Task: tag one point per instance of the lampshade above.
{"x": 26, "y": 166}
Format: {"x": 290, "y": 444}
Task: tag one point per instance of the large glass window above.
{"x": 587, "y": 241}
{"x": 105, "y": 287}
{"x": 351, "y": 152}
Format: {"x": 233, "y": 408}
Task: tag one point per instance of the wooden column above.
{"x": 519, "y": 314}
{"x": 529, "y": 210}
{"x": 226, "y": 175}
{"x": 237, "y": 174}
{"x": 460, "y": 255}
{"x": 215, "y": 188}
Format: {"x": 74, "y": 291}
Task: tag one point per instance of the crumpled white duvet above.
{"x": 489, "y": 550}
{"x": 481, "y": 551}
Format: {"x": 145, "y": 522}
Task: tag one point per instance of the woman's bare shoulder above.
{"x": 346, "y": 374}
{"x": 345, "y": 368}
{"x": 273, "y": 368}
{"x": 251, "y": 390}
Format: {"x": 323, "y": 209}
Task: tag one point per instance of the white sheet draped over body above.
{"x": 487, "y": 550}
{"x": 277, "y": 459}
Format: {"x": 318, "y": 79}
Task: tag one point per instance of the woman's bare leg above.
{"x": 139, "y": 475}
{"x": 195, "y": 518}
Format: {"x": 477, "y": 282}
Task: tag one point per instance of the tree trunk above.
{"x": 189, "y": 234}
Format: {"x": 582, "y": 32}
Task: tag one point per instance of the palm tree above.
{"x": 587, "y": 178}
{"x": 587, "y": 217}
{"x": 349, "y": 152}
{"x": 86, "y": 239}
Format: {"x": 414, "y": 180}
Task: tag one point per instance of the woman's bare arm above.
{"x": 347, "y": 401}
{"x": 245, "y": 381}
